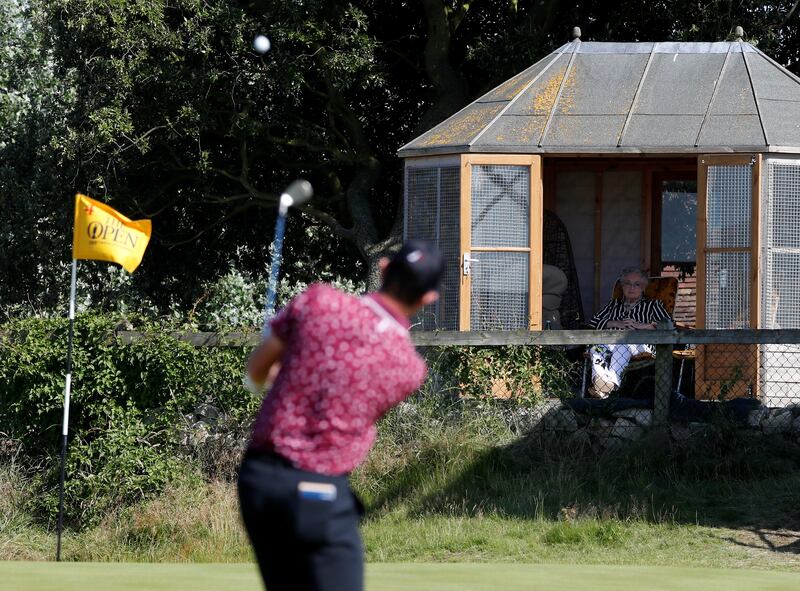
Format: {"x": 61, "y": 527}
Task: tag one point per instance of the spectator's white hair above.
{"x": 630, "y": 270}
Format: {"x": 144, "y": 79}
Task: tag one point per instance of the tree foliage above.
{"x": 164, "y": 109}
{"x": 32, "y": 222}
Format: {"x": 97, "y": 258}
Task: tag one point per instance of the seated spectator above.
{"x": 632, "y": 312}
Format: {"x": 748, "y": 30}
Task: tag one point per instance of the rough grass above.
{"x": 450, "y": 481}
{"x": 20, "y": 537}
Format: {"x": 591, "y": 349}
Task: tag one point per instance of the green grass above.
{"x": 38, "y": 576}
{"x": 454, "y": 484}
{"x": 750, "y": 524}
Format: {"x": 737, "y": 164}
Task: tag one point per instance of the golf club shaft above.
{"x": 296, "y": 193}
{"x": 272, "y": 287}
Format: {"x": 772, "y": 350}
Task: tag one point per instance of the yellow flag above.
{"x": 103, "y": 234}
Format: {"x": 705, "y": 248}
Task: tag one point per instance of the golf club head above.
{"x": 299, "y": 192}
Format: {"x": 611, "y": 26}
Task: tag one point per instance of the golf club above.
{"x": 297, "y": 193}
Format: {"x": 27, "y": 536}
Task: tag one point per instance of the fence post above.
{"x": 663, "y": 386}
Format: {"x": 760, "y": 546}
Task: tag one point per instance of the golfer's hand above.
{"x": 273, "y": 373}
{"x": 264, "y": 362}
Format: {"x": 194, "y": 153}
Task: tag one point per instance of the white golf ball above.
{"x": 261, "y": 44}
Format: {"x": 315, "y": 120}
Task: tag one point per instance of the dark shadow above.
{"x": 723, "y": 476}
{"x": 772, "y": 539}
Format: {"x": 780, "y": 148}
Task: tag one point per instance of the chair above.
{"x": 658, "y": 288}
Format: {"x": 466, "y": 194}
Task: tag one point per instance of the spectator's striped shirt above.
{"x": 644, "y": 311}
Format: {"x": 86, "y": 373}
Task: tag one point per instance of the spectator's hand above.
{"x": 620, "y": 324}
{"x": 637, "y": 326}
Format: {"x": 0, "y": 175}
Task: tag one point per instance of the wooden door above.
{"x": 501, "y": 242}
{"x": 727, "y": 272}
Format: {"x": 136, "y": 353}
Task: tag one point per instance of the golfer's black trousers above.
{"x": 303, "y": 541}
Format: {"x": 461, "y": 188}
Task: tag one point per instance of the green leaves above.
{"x": 128, "y": 406}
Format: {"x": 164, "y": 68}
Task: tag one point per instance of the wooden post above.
{"x": 465, "y": 226}
{"x": 663, "y": 386}
{"x": 535, "y": 245}
{"x": 646, "y": 261}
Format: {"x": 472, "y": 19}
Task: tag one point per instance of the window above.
{"x": 678, "y": 223}
{"x": 673, "y": 249}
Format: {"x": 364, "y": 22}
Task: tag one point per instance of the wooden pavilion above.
{"x": 679, "y": 158}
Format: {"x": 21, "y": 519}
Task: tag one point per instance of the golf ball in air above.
{"x": 261, "y": 44}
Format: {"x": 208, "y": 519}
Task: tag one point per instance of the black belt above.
{"x": 267, "y": 456}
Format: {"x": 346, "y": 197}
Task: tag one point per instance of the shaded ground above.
{"x": 769, "y": 538}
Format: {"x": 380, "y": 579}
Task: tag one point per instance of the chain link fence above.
{"x": 605, "y": 388}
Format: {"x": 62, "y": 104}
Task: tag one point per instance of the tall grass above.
{"x": 20, "y": 537}
{"x": 464, "y": 458}
{"x": 450, "y": 479}
{"x": 189, "y": 522}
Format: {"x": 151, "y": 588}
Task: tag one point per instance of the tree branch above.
{"x": 791, "y": 12}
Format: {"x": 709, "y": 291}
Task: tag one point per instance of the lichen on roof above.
{"x": 545, "y": 98}
{"x": 463, "y": 127}
{"x": 510, "y": 88}
{"x": 589, "y": 103}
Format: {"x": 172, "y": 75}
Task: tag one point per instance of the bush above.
{"x": 236, "y": 300}
{"x": 127, "y": 405}
{"x": 525, "y": 373}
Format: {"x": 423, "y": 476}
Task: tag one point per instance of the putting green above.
{"x": 67, "y": 576}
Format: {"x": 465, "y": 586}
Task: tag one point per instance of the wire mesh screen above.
{"x": 780, "y": 364}
{"x": 728, "y": 206}
{"x": 500, "y": 205}
{"x": 422, "y": 195}
{"x": 499, "y": 291}
{"x": 728, "y": 210}
{"x": 432, "y": 213}
{"x": 784, "y": 204}
{"x": 728, "y": 290}
{"x": 604, "y": 396}
{"x": 450, "y": 244}
{"x": 781, "y": 239}
{"x": 781, "y": 296}
{"x": 780, "y": 375}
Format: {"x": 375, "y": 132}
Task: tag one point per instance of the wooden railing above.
{"x": 665, "y": 341}
{"x": 524, "y": 337}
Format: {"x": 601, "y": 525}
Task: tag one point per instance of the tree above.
{"x": 177, "y": 118}
{"x": 32, "y": 225}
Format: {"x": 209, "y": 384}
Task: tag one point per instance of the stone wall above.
{"x": 611, "y": 430}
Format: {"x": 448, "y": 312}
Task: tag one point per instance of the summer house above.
{"x": 678, "y": 158}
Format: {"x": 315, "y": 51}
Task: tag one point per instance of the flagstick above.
{"x": 67, "y": 388}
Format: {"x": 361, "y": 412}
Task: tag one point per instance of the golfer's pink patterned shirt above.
{"x": 347, "y": 361}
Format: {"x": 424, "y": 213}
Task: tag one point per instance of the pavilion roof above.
{"x": 606, "y": 98}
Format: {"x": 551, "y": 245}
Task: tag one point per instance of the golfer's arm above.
{"x": 264, "y": 358}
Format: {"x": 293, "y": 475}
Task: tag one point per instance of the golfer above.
{"x": 339, "y": 363}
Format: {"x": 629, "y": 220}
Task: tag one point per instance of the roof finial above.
{"x": 576, "y": 33}
{"x": 739, "y": 32}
